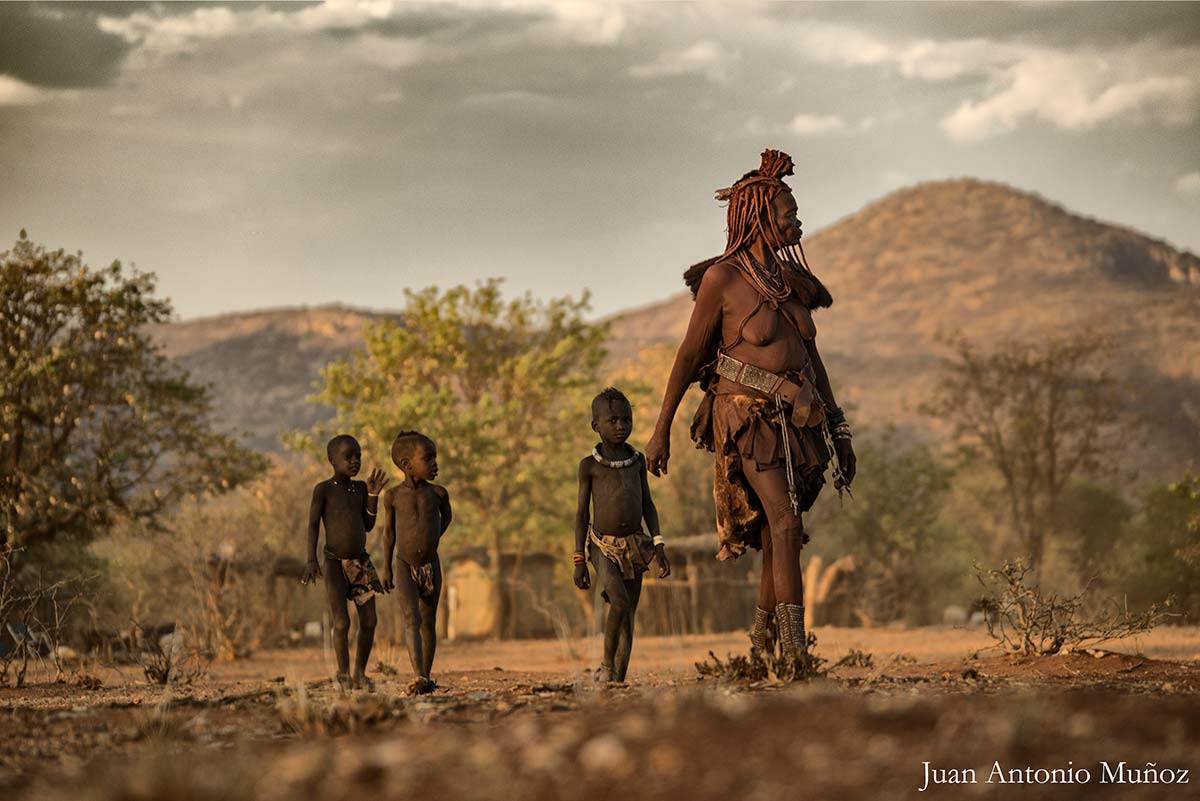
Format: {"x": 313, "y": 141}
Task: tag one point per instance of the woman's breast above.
{"x": 762, "y": 326}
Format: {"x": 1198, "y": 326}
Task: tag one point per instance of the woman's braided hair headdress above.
{"x": 749, "y": 217}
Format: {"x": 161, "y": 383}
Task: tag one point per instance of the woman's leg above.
{"x": 785, "y": 536}
{"x": 762, "y": 631}
{"x": 766, "y": 587}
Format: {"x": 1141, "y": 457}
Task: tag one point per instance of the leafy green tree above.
{"x": 95, "y": 423}
{"x": 894, "y": 527}
{"x": 1040, "y": 414}
{"x": 503, "y": 387}
{"x": 1164, "y": 549}
{"x": 1093, "y": 520}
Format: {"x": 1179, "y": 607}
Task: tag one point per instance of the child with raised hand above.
{"x": 613, "y": 483}
{"x": 348, "y": 509}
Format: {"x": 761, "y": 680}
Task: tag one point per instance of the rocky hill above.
{"x": 262, "y": 366}
{"x": 962, "y": 256}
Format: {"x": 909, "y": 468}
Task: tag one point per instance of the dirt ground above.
{"x": 523, "y": 720}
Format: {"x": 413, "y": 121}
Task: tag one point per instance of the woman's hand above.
{"x": 846, "y": 458}
{"x": 658, "y": 452}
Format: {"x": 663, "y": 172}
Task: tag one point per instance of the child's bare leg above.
{"x": 337, "y": 590}
{"x": 366, "y": 638}
{"x": 612, "y": 588}
{"x": 428, "y": 608}
{"x": 410, "y": 606}
{"x": 620, "y": 663}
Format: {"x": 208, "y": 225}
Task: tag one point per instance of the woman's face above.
{"x": 783, "y": 210}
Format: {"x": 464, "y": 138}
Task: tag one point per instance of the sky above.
{"x": 262, "y": 155}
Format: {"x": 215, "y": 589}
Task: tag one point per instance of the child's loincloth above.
{"x": 422, "y": 576}
{"x": 631, "y": 553}
{"x": 360, "y": 575}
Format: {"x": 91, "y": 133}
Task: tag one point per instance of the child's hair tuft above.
{"x": 406, "y": 443}
{"x": 607, "y": 397}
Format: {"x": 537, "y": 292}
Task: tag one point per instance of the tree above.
{"x": 503, "y": 388}
{"x": 1040, "y": 414}
{"x": 95, "y": 423}
{"x": 1162, "y": 557}
{"x": 910, "y": 559}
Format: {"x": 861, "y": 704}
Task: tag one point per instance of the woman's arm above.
{"x": 822, "y": 377}
{"x": 845, "y": 451}
{"x": 696, "y": 350}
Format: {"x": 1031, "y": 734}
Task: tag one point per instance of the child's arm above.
{"x": 376, "y": 481}
{"x": 582, "y": 518}
{"x": 650, "y": 513}
{"x": 444, "y": 508}
{"x": 312, "y": 570}
{"x": 389, "y": 542}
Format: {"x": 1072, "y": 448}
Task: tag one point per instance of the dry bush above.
{"x": 1024, "y": 620}
{"x": 757, "y": 667}
{"x": 36, "y": 614}
{"x": 177, "y": 662}
{"x": 300, "y": 713}
{"x": 226, "y": 568}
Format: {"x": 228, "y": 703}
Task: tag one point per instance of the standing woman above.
{"x": 768, "y": 412}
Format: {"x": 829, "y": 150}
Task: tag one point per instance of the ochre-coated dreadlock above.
{"x": 749, "y": 217}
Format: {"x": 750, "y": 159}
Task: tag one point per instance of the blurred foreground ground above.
{"x": 521, "y": 720}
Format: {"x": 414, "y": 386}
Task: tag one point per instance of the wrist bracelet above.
{"x": 658, "y": 540}
{"x": 372, "y": 494}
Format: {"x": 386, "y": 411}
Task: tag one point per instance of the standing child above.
{"x": 418, "y": 514}
{"x": 613, "y": 481}
{"x": 348, "y": 509}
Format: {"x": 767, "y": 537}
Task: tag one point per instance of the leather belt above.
{"x": 805, "y": 410}
{"x": 750, "y": 376}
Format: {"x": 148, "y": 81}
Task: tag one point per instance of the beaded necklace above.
{"x": 617, "y": 464}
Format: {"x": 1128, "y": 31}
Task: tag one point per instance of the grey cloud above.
{"x": 57, "y": 47}
{"x": 1062, "y": 24}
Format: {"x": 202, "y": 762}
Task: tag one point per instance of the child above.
{"x": 418, "y": 514}
{"x": 348, "y": 509}
{"x": 613, "y": 480}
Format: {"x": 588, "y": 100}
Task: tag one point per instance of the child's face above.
{"x": 347, "y": 459}
{"x": 615, "y": 426}
{"x": 422, "y": 464}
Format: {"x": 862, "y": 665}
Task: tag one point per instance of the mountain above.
{"x": 961, "y": 256}
{"x": 262, "y": 366}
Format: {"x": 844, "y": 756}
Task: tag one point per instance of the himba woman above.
{"x": 768, "y": 411}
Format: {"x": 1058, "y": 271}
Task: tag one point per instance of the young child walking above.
{"x": 347, "y": 508}
{"x": 417, "y": 515}
{"x": 615, "y": 493}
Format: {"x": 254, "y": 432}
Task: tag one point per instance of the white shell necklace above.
{"x": 618, "y": 464}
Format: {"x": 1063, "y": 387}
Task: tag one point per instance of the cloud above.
{"x": 816, "y": 124}
{"x": 1079, "y": 91}
{"x": 1010, "y": 83}
{"x": 705, "y": 58}
{"x": 18, "y": 93}
{"x": 1188, "y": 185}
{"x": 57, "y": 47}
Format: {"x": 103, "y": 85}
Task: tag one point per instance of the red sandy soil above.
{"x": 522, "y": 720}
